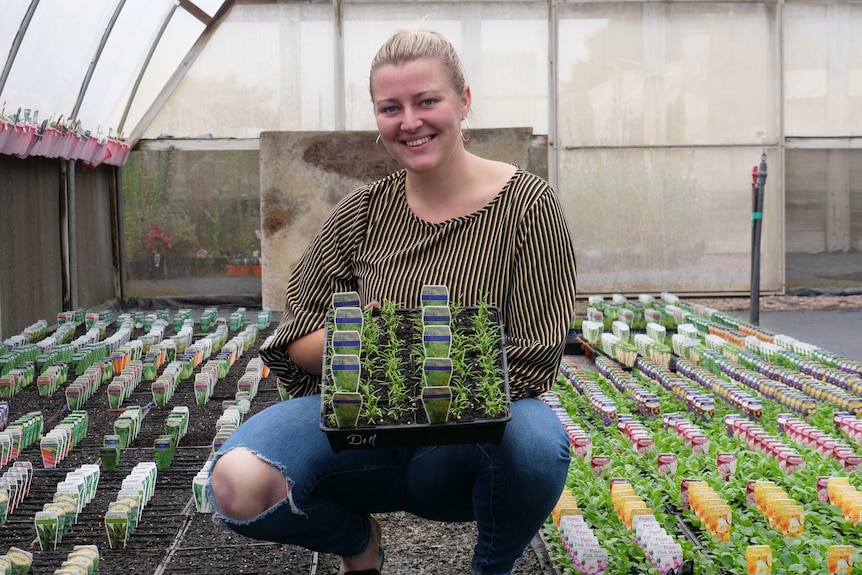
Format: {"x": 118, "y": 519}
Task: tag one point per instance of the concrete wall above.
{"x": 303, "y": 175}
{"x": 31, "y": 231}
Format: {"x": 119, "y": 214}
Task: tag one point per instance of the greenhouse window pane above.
{"x": 824, "y": 200}
{"x": 120, "y": 63}
{"x": 180, "y": 35}
{"x": 670, "y": 219}
{"x": 823, "y": 69}
{"x": 192, "y": 222}
{"x": 13, "y": 13}
{"x": 54, "y": 56}
{"x": 658, "y": 73}
{"x": 503, "y": 46}
{"x": 269, "y": 67}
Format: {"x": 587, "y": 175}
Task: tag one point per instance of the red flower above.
{"x": 157, "y": 241}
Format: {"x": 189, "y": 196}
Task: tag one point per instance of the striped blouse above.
{"x": 516, "y": 253}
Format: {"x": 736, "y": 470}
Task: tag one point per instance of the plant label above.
{"x": 117, "y": 527}
{"x": 437, "y": 371}
{"x": 348, "y": 319}
{"x": 199, "y": 484}
{"x": 47, "y": 525}
{"x": 436, "y": 401}
{"x": 437, "y": 295}
{"x": 346, "y": 299}
{"x": 436, "y": 315}
{"x": 346, "y": 405}
{"x": 437, "y": 340}
{"x": 839, "y": 559}
{"x": 346, "y": 342}
{"x": 345, "y": 369}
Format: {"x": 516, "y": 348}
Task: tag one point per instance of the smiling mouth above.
{"x": 419, "y": 142}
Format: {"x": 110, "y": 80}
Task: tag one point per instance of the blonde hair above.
{"x": 412, "y": 43}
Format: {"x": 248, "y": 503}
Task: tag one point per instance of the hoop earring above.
{"x": 377, "y": 146}
{"x": 465, "y": 137}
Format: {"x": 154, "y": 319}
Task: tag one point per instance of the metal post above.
{"x": 757, "y": 225}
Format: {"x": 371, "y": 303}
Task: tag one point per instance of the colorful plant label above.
{"x": 437, "y": 371}
{"x": 758, "y": 558}
{"x": 348, "y": 319}
{"x": 346, "y": 299}
{"x": 435, "y": 295}
{"x": 345, "y": 369}
{"x": 436, "y": 315}
{"x": 347, "y": 342}
{"x": 437, "y": 340}
{"x": 839, "y": 559}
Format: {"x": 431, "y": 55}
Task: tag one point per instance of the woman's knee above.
{"x": 244, "y": 485}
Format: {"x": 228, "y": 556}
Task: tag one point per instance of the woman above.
{"x": 484, "y": 229}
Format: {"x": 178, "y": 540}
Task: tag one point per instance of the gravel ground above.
{"x": 420, "y": 547}
{"x": 785, "y": 302}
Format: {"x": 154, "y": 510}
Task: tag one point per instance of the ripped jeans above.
{"x": 508, "y": 490}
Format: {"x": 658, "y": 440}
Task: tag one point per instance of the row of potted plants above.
{"x": 70, "y": 497}
{"x": 20, "y": 434}
{"x": 711, "y": 555}
{"x": 124, "y": 513}
{"x": 21, "y": 135}
{"x": 14, "y": 487}
{"x": 65, "y": 436}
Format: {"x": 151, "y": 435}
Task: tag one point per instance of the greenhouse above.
{"x": 164, "y": 165}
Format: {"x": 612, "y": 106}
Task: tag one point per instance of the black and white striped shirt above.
{"x": 516, "y": 252}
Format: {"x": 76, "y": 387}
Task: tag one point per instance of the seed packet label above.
{"x": 726, "y": 465}
{"x": 667, "y": 464}
{"x": 758, "y": 558}
{"x": 839, "y": 559}
{"x": 47, "y": 526}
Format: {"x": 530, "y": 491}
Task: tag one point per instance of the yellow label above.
{"x": 839, "y": 559}
{"x": 758, "y": 558}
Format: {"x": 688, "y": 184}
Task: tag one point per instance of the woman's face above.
{"x": 419, "y": 113}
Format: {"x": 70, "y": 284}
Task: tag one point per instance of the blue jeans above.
{"x": 508, "y": 490}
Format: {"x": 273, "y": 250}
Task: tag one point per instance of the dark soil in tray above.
{"x": 408, "y": 333}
